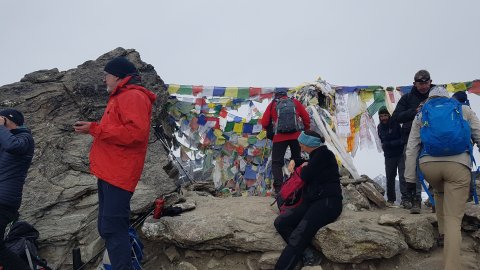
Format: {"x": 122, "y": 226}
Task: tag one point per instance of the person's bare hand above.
{"x": 291, "y": 166}
{"x": 82, "y": 127}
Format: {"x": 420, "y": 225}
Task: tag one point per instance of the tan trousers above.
{"x": 451, "y": 182}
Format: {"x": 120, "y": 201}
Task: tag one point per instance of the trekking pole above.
{"x": 158, "y": 131}
{"x": 77, "y": 259}
{"x": 474, "y": 186}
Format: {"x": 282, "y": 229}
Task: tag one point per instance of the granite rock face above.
{"x": 59, "y": 196}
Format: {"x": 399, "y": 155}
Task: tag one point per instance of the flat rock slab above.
{"x": 233, "y": 223}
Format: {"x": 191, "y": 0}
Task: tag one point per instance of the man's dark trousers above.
{"x": 391, "y": 165}
{"x": 8, "y": 259}
{"x": 113, "y": 223}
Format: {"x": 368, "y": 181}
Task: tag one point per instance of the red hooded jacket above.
{"x": 121, "y": 137}
{"x": 271, "y": 114}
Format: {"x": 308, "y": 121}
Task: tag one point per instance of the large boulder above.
{"x": 418, "y": 232}
{"x": 356, "y": 240}
{"x": 233, "y": 223}
{"x": 59, "y": 197}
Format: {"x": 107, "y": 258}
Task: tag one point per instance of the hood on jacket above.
{"x": 128, "y": 83}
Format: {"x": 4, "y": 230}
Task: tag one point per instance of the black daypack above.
{"x": 22, "y": 240}
{"x": 287, "y": 120}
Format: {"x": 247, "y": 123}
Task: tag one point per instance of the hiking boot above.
{"x": 416, "y": 206}
{"x": 391, "y": 204}
{"x": 407, "y": 204}
{"x": 311, "y": 257}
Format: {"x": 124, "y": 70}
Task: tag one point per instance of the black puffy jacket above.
{"x": 391, "y": 136}
{"x": 406, "y": 110}
{"x": 321, "y": 175}
{"x": 16, "y": 153}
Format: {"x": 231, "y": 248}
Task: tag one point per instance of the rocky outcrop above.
{"x": 60, "y": 195}
{"x": 245, "y": 224}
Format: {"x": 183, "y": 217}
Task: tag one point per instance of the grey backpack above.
{"x": 288, "y": 120}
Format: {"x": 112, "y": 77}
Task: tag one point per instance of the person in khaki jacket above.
{"x": 450, "y": 177}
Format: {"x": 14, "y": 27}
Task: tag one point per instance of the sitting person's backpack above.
{"x": 290, "y": 195}
{"x": 137, "y": 252}
{"x": 287, "y": 119}
{"x": 22, "y": 240}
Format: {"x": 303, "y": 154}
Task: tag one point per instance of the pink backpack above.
{"x": 290, "y": 195}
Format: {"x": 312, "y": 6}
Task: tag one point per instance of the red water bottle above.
{"x": 157, "y": 212}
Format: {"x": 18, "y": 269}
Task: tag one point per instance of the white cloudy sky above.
{"x": 251, "y": 42}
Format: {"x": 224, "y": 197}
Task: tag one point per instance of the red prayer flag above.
{"x": 475, "y": 89}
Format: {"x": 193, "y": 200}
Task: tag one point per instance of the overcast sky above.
{"x": 252, "y": 42}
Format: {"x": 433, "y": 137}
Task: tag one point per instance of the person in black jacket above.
{"x": 405, "y": 111}
{"x": 16, "y": 153}
{"x": 390, "y": 136}
{"x": 322, "y": 200}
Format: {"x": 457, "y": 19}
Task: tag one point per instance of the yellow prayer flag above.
{"x": 365, "y": 96}
{"x": 211, "y": 105}
{"x": 460, "y": 87}
{"x": 238, "y": 128}
{"x": 220, "y": 140}
{"x": 218, "y": 133}
{"x": 450, "y": 88}
{"x": 262, "y": 135}
{"x": 173, "y": 88}
{"x": 231, "y": 92}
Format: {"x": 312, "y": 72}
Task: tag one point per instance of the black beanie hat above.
{"x": 120, "y": 67}
{"x": 13, "y": 115}
{"x": 383, "y": 110}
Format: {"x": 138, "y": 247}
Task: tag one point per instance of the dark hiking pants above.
{"x": 278, "y": 159}
{"x": 113, "y": 223}
{"x": 391, "y": 166}
{"x": 298, "y": 226}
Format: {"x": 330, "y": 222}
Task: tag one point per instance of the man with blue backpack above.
{"x": 440, "y": 143}
{"x": 404, "y": 113}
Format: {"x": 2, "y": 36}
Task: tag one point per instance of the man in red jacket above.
{"x": 283, "y": 140}
{"x": 117, "y": 155}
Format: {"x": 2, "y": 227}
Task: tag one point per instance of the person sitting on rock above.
{"x": 16, "y": 154}
{"x": 322, "y": 199}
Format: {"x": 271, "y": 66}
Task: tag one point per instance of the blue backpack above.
{"x": 444, "y": 132}
{"x": 137, "y": 252}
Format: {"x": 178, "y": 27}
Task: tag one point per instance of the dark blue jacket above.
{"x": 16, "y": 153}
{"x": 391, "y": 136}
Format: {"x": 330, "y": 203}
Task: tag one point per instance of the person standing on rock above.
{"x": 118, "y": 153}
{"x": 294, "y": 118}
{"x": 16, "y": 154}
{"x": 405, "y": 111}
{"x": 390, "y": 136}
{"x": 448, "y": 172}
{"x": 322, "y": 200}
